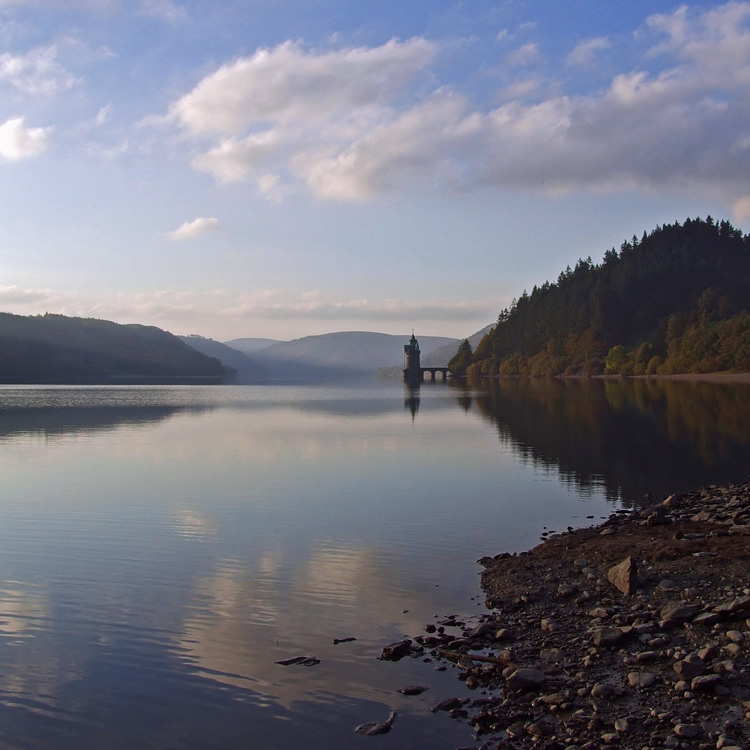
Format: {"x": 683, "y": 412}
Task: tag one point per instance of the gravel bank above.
{"x": 631, "y": 634}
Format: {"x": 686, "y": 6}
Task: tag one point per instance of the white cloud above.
{"x": 233, "y": 159}
{"x": 36, "y": 72}
{"x": 14, "y": 295}
{"x": 352, "y": 125}
{"x": 423, "y": 143}
{"x": 524, "y": 55}
{"x": 584, "y": 54}
{"x": 194, "y": 228}
{"x": 19, "y": 142}
{"x": 286, "y": 84}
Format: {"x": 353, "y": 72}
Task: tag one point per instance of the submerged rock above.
{"x": 376, "y": 727}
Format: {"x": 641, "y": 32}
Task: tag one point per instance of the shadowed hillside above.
{"x": 58, "y": 349}
{"x": 247, "y": 369}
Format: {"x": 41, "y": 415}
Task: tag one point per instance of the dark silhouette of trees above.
{"x": 462, "y": 358}
{"x": 675, "y": 300}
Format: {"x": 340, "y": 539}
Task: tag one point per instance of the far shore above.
{"x": 714, "y": 377}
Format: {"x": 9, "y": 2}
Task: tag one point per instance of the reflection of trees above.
{"x": 629, "y": 437}
{"x": 59, "y": 421}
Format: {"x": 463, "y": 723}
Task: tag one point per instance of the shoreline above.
{"x": 634, "y": 634}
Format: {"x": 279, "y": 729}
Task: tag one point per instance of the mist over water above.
{"x": 162, "y": 547}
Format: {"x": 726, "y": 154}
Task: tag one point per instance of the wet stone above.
{"x": 526, "y": 679}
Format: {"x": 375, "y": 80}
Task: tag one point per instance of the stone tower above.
{"x": 412, "y": 367}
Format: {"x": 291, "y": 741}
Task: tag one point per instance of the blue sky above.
{"x": 283, "y": 168}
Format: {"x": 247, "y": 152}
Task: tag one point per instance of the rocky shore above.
{"x": 631, "y": 634}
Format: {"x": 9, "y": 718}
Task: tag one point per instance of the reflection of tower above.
{"x": 412, "y": 367}
{"x": 411, "y": 399}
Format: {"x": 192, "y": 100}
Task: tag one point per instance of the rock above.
{"x": 646, "y": 657}
{"x": 449, "y": 704}
{"x": 736, "y": 606}
{"x": 626, "y": 725}
{"x": 691, "y": 667}
{"x": 707, "y": 652}
{"x": 377, "y": 727}
{"x": 486, "y": 628}
{"x": 707, "y": 619}
{"x": 396, "y": 651}
{"x": 412, "y": 690}
{"x": 526, "y": 679}
{"x": 604, "y": 637}
{"x": 602, "y": 690}
{"x": 516, "y": 730}
{"x": 624, "y": 577}
{"x": 679, "y": 612}
{"x": 735, "y": 636}
{"x": 542, "y": 728}
{"x": 687, "y": 731}
{"x": 641, "y": 679}
{"x": 705, "y": 682}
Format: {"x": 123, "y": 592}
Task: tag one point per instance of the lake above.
{"x": 161, "y": 548}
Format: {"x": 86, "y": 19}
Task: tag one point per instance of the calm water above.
{"x": 161, "y": 548}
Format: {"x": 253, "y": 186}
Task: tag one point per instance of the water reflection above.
{"x": 173, "y": 544}
{"x": 627, "y": 437}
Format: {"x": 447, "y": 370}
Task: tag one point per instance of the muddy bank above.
{"x": 631, "y": 634}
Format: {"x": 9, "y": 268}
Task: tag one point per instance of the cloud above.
{"x": 315, "y": 305}
{"x": 287, "y": 84}
{"x": 233, "y": 159}
{"x": 194, "y": 228}
{"x": 584, "y": 54}
{"x": 741, "y": 209}
{"x": 524, "y": 55}
{"x": 358, "y": 123}
{"x": 14, "y": 295}
{"x": 19, "y": 142}
{"x": 424, "y": 143}
{"x": 36, "y": 72}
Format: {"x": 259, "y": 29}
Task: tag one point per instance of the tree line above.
{"x": 676, "y": 300}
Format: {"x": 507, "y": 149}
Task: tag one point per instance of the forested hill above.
{"x": 58, "y": 349}
{"x": 676, "y": 300}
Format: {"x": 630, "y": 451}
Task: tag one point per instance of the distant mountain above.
{"x": 248, "y": 370}
{"x": 342, "y": 355}
{"x": 58, "y": 349}
{"x": 250, "y": 346}
{"x": 440, "y": 357}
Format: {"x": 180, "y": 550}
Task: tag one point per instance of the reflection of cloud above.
{"x": 18, "y": 610}
{"x": 193, "y": 525}
{"x": 250, "y": 617}
{"x": 34, "y": 666}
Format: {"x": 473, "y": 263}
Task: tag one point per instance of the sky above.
{"x": 284, "y": 168}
